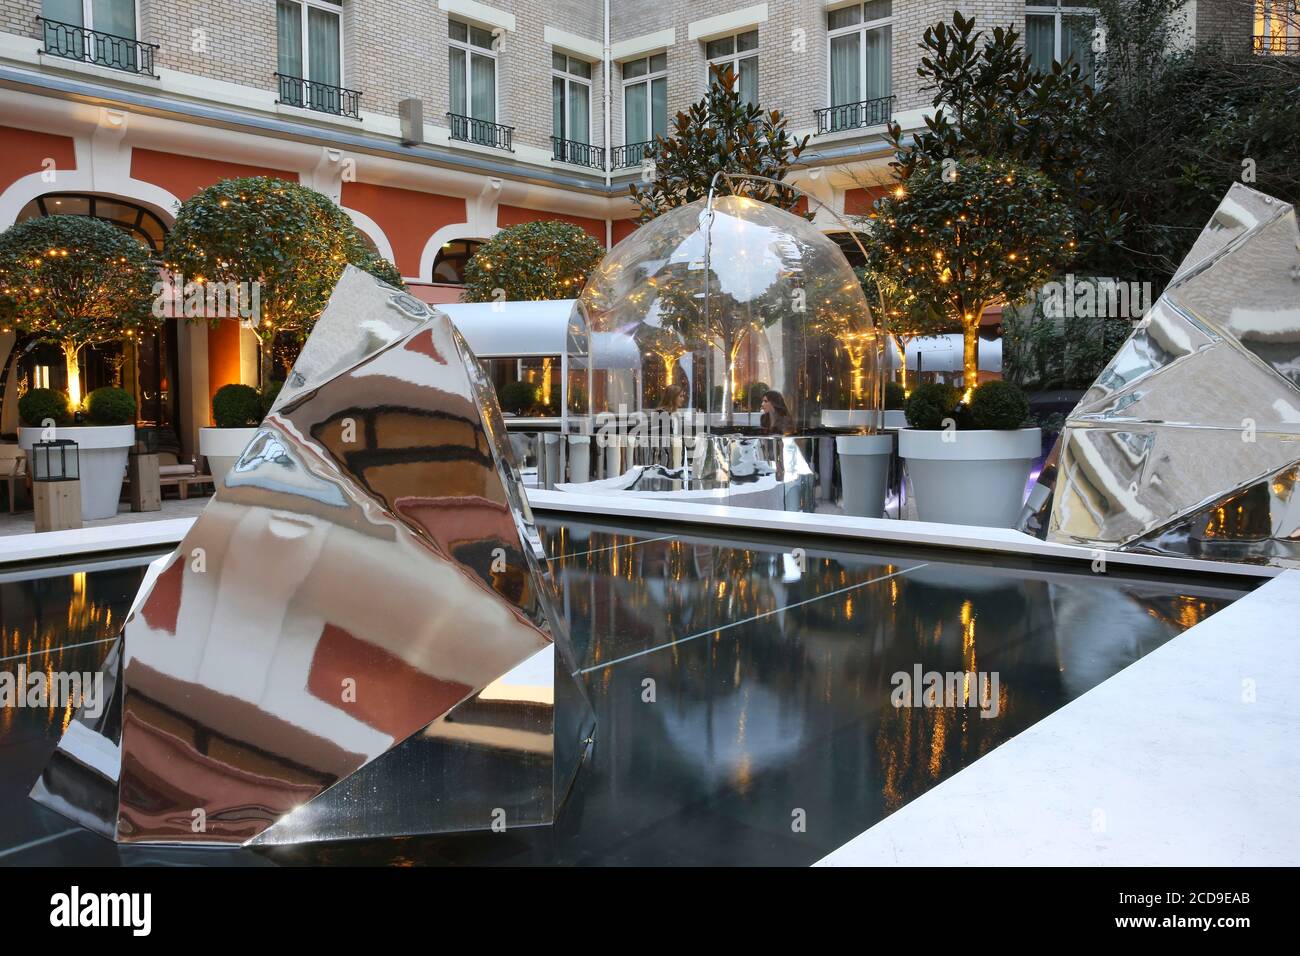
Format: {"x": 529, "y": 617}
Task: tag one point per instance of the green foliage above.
{"x": 720, "y": 133}
{"x": 754, "y": 395}
{"x": 518, "y": 397}
{"x": 110, "y": 406}
{"x": 293, "y": 241}
{"x": 42, "y": 403}
{"x": 894, "y": 396}
{"x": 930, "y": 404}
{"x": 993, "y": 232}
{"x": 74, "y": 280}
{"x": 236, "y": 406}
{"x": 269, "y": 395}
{"x": 991, "y": 102}
{"x": 1041, "y": 352}
{"x": 534, "y": 261}
{"x": 894, "y": 305}
{"x": 1187, "y": 124}
{"x": 998, "y": 405}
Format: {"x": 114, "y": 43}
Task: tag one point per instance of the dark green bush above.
{"x": 110, "y": 406}
{"x": 269, "y": 395}
{"x": 894, "y": 396}
{"x": 930, "y": 404}
{"x": 236, "y": 406}
{"x": 518, "y": 397}
{"x": 998, "y": 405}
{"x": 754, "y": 395}
{"x": 42, "y": 403}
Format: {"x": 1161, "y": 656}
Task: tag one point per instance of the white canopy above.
{"x": 943, "y": 353}
{"x": 512, "y": 329}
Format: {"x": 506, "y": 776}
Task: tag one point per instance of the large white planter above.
{"x": 101, "y": 453}
{"x": 864, "y": 472}
{"x": 975, "y": 477}
{"x": 222, "y": 447}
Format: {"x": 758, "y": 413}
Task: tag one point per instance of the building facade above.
{"x": 434, "y": 123}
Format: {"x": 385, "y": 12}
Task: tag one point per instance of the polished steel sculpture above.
{"x": 1189, "y": 442}
{"x": 358, "y": 637}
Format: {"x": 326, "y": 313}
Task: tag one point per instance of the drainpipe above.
{"x": 609, "y": 146}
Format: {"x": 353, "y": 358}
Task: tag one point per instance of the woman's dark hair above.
{"x": 782, "y": 422}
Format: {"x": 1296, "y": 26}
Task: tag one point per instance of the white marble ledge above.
{"x": 1166, "y": 763}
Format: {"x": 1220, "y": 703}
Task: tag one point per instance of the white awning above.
{"x": 943, "y": 353}
{"x": 512, "y": 329}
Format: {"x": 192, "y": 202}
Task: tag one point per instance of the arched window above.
{"x": 449, "y": 265}
{"x": 132, "y": 219}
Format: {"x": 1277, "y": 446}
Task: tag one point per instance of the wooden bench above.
{"x": 183, "y": 482}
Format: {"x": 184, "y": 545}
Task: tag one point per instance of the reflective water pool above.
{"x": 744, "y": 690}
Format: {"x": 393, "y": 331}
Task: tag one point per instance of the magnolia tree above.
{"x": 963, "y": 237}
{"x": 534, "y": 261}
{"x": 77, "y": 281}
{"x": 720, "y": 133}
{"x": 897, "y": 311}
{"x": 280, "y": 244}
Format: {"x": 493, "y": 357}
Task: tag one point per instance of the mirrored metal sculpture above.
{"x": 1188, "y": 443}
{"x": 358, "y": 637}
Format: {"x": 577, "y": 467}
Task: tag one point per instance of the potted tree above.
{"x": 103, "y": 438}
{"x": 969, "y": 463}
{"x": 236, "y": 412}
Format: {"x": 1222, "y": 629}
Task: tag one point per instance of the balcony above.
{"x": 467, "y": 129}
{"x": 836, "y": 119}
{"x": 1277, "y": 45}
{"x": 579, "y": 154}
{"x": 321, "y": 97}
{"x": 631, "y": 155}
{"x": 95, "y": 47}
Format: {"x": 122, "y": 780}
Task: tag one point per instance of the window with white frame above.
{"x": 645, "y": 101}
{"x": 1277, "y": 27}
{"x": 861, "y": 64}
{"x": 1062, "y": 30}
{"x": 740, "y": 52}
{"x": 116, "y": 18}
{"x": 570, "y": 98}
{"x": 472, "y": 59}
{"x": 309, "y": 40}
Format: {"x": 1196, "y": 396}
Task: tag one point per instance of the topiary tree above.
{"x": 534, "y": 261}
{"x": 998, "y": 405}
{"x": 110, "y": 406}
{"x": 293, "y": 242}
{"x": 236, "y": 406}
{"x": 518, "y": 397}
{"x": 42, "y": 404}
{"x": 722, "y": 132}
{"x": 930, "y": 404}
{"x": 76, "y": 281}
{"x": 966, "y": 236}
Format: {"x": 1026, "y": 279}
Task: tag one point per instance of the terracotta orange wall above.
{"x": 25, "y": 150}
{"x": 517, "y": 215}
{"x": 408, "y": 218}
{"x": 858, "y": 202}
{"x": 623, "y": 228}
{"x": 183, "y": 176}
{"x": 223, "y": 356}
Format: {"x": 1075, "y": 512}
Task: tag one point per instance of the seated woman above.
{"x": 776, "y": 419}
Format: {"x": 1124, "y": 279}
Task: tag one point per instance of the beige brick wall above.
{"x": 19, "y": 16}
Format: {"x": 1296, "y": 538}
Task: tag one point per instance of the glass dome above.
{"x": 705, "y": 311}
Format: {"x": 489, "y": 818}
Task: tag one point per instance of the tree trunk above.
{"x": 74, "y": 373}
{"x": 970, "y": 361}
{"x": 264, "y": 357}
{"x": 900, "y": 343}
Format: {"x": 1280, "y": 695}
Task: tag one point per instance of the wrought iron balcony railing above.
{"x": 321, "y": 97}
{"x": 467, "y": 129}
{"x": 834, "y": 119}
{"x": 94, "y": 46}
{"x": 579, "y": 154}
{"x": 1277, "y": 45}
{"x": 631, "y": 155}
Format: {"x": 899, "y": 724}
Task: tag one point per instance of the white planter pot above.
{"x": 895, "y": 418}
{"x": 976, "y": 477}
{"x": 222, "y": 447}
{"x": 579, "y": 458}
{"x": 864, "y": 472}
{"x": 101, "y": 453}
{"x": 862, "y": 418}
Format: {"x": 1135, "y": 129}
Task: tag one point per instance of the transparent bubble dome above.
{"x": 707, "y": 312}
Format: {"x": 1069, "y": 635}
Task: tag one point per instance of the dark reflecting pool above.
{"x": 742, "y": 690}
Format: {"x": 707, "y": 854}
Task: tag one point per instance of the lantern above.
{"x": 57, "y": 460}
